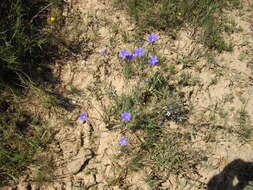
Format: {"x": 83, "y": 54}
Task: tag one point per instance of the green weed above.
{"x": 244, "y": 130}
{"x": 152, "y": 104}
{"x": 212, "y": 36}
{"x": 22, "y": 43}
{"x": 21, "y": 138}
{"x": 24, "y": 50}
{"x": 170, "y": 15}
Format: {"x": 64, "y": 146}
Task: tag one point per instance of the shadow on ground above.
{"x": 237, "y": 175}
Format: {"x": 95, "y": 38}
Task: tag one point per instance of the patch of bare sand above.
{"x": 101, "y": 170}
{"x": 234, "y": 82}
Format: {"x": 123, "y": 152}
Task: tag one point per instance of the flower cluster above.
{"x": 138, "y": 52}
{"x": 125, "y": 54}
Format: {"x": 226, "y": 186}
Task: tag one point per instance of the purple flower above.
{"x": 153, "y": 60}
{"x": 83, "y": 117}
{"x": 125, "y": 116}
{"x": 104, "y": 52}
{"x": 152, "y": 37}
{"x": 125, "y": 54}
{"x": 138, "y": 52}
{"x": 123, "y": 141}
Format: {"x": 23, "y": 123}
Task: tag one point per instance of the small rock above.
{"x": 79, "y": 161}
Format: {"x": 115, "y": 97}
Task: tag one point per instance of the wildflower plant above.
{"x": 125, "y": 54}
{"x": 127, "y": 66}
{"x": 136, "y": 60}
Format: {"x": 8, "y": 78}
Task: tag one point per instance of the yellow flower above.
{"x": 52, "y": 19}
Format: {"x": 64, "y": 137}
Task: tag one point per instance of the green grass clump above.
{"x": 153, "y": 104}
{"x": 25, "y": 50}
{"x": 170, "y": 15}
{"x": 21, "y": 137}
{"x": 245, "y": 128}
{"x": 24, "y": 44}
{"x": 24, "y": 133}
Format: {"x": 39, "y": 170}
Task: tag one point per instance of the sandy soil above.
{"x": 86, "y": 153}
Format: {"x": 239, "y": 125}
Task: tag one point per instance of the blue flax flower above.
{"x": 123, "y": 141}
{"x": 83, "y": 117}
{"x": 152, "y": 37}
{"x": 153, "y": 60}
{"x": 139, "y": 52}
{"x": 125, "y": 54}
{"x": 125, "y": 116}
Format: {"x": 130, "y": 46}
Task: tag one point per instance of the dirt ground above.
{"x": 86, "y": 153}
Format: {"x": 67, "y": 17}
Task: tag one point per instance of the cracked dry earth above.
{"x": 86, "y": 153}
